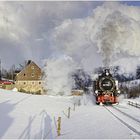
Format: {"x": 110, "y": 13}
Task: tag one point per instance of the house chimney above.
{"x": 29, "y": 61}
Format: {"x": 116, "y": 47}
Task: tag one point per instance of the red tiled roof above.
{"x": 6, "y": 82}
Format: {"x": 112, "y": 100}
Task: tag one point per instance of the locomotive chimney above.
{"x": 107, "y": 72}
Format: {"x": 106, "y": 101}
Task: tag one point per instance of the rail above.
{"x": 134, "y": 104}
{"x": 123, "y": 121}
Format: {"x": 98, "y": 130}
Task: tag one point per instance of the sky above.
{"x": 26, "y": 27}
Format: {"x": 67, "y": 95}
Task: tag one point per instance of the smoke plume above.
{"x": 109, "y": 36}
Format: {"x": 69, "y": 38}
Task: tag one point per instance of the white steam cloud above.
{"x": 109, "y": 36}
{"x": 58, "y": 79}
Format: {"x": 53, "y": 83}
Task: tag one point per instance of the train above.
{"x": 106, "y": 88}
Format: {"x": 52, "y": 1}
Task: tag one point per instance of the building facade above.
{"x": 30, "y": 79}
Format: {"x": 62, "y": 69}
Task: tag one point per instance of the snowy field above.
{"x": 26, "y": 116}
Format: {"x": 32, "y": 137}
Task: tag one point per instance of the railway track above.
{"x": 134, "y": 104}
{"x": 133, "y": 124}
{"x": 128, "y": 115}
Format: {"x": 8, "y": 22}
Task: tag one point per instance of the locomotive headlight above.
{"x": 107, "y": 73}
{"x": 119, "y": 91}
{"x": 96, "y": 91}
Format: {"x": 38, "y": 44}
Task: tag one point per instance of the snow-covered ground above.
{"x": 35, "y": 117}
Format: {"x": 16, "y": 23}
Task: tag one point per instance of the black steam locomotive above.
{"x": 106, "y": 88}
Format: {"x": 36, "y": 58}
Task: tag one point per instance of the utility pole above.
{"x": 13, "y": 72}
{"x": 0, "y": 71}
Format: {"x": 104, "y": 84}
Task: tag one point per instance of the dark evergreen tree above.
{"x": 138, "y": 73}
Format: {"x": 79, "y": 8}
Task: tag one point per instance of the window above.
{"x": 24, "y": 83}
{"x": 33, "y": 67}
{"x": 24, "y": 74}
{"x": 32, "y": 74}
{"x": 39, "y": 83}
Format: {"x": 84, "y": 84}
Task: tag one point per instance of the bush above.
{"x": 38, "y": 92}
{"x": 132, "y": 92}
{"x": 22, "y": 90}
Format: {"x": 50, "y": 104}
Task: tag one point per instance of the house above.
{"x": 30, "y": 79}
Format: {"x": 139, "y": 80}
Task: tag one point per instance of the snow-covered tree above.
{"x": 82, "y": 80}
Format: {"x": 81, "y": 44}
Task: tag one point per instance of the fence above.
{"x": 134, "y": 104}
{"x": 58, "y": 122}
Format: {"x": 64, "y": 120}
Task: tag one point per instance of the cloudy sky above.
{"x": 26, "y": 27}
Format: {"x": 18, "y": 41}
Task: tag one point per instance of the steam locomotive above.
{"x": 106, "y": 88}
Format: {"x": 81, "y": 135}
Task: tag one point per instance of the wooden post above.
{"x": 136, "y": 104}
{"x": 74, "y": 107}
{"x": 69, "y": 112}
{"x": 59, "y": 126}
{"x": 79, "y": 102}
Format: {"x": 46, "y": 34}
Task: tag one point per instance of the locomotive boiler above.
{"x": 106, "y": 88}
